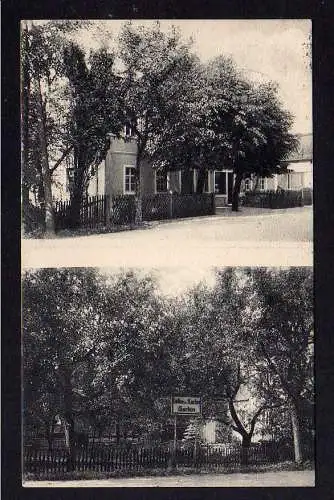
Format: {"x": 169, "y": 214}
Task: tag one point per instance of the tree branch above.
{"x": 63, "y": 156}
{"x": 273, "y": 366}
{"x": 239, "y": 427}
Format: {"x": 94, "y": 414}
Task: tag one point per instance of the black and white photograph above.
{"x": 167, "y": 253}
{"x": 195, "y": 135}
{"x": 163, "y": 378}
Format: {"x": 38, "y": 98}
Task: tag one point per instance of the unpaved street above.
{"x": 262, "y": 479}
{"x": 283, "y": 237}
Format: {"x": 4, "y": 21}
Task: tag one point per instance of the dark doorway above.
{"x": 224, "y": 184}
{"x": 220, "y": 182}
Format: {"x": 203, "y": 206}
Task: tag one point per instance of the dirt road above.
{"x": 263, "y": 479}
{"x": 280, "y": 238}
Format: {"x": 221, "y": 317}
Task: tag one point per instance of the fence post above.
{"x": 106, "y": 210}
{"x": 171, "y": 204}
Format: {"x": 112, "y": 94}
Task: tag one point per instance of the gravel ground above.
{"x": 262, "y": 479}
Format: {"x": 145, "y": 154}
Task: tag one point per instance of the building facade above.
{"x": 115, "y": 175}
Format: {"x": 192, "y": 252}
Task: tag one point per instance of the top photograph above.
{"x": 166, "y": 142}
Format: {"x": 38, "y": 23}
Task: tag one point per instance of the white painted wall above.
{"x": 307, "y": 169}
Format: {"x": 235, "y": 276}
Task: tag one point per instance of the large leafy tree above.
{"x": 248, "y": 344}
{"x": 93, "y": 351}
{"x": 94, "y": 112}
{"x": 226, "y": 121}
{"x": 185, "y": 141}
{"x": 131, "y": 351}
{"x": 69, "y": 105}
{"x": 42, "y": 97}
{"x": 158, "y": 69}
{"x": 217, "y": 354}
{"x": 284, "y": 343}
{"x": 249, "y": 121}
{"x": 59, "y": 337}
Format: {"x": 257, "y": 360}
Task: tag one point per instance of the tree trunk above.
{"x": 78, "y": 185}
{"x": 25, "y": 98}
{"x": 295, "y": 420}
{"x": 75, "y": 210}
{"x": 245, "y": 445}
{"x": 246, "y": 435}
{"x": 49, "y": 213}
{"x": 68, "y": 418}
{"x": 236, "y": 192}
{"x": 138, "y": 192}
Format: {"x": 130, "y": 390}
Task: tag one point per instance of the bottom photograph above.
{"x": 168, "y": 377}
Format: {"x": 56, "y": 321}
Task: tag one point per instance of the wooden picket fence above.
{"x": 137, "y": 458}
{"x": 103, "y": 211}
{"x": 93, "y": 212}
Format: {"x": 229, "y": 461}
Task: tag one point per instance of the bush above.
{"x": 278, "y": 199}
{"x": 33, "y": 220}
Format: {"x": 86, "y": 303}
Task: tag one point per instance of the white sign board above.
{"x": 186, "y": 405}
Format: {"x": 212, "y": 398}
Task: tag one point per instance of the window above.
{"x": 129, "y": 179}
{"x": 128, "y": 130}
{"x": 289, "y": 181}
{"x": 262, "y": 183}
{"x": 161, "y": 182}
{"x": 248, "y": 184}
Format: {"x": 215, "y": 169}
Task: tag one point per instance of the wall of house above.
{"x": 211, "y": 182}
{"x": 213, "y": 431}
{"x": 174, "y": 181}
{"x": 121, "y": 153}
{"x": 208, "y": 431}
{"x": 306, "y": 168}
{"x": 300, "y": 176}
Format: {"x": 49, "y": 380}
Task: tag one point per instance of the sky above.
{"x": 172, "y": 281}
{"x": 265, "y": 49}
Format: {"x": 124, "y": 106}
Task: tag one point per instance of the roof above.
{"x": 305, "y": 149}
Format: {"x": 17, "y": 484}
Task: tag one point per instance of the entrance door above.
{"x": 220, "y": 182}
{"x": 224, "y": 184}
